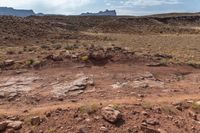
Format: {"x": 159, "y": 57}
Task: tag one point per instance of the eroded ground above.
{"x": 57, "y": 79}
{"x": 132, "y": 87}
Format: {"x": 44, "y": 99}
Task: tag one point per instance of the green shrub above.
{"x": 196, "y": 106}
{"x": 57, "y": 46}
{"x": 169, "y": 110}
{"x": 84, "y": 58}
{"x": 89, "y": 109}
{"x": 30, "y": 62}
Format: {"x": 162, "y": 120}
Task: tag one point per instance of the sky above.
{"x": 123, "y": 7}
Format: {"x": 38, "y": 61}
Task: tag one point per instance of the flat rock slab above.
{"x": 147, "y": 83}
{"x": 141, "y": 80}
{"x": 79, "y": 84}
{"x": 17, "y": 83}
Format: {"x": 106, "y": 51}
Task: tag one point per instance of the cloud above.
{"x": 50, "y": 6}
{"x": 123, "y": 7}
{"x": 143, "y": 7}
{"x": 142, "y": 3}
{"x": 149, "y": 2}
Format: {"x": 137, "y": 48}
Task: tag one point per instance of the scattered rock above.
{"x": 20, "y": 71}
{"x": 12, "y": 96}
{"x": 97, "y": 55}
{"x": 162, "y": 131}
{"x": 35, "y": 121}
{"x": 119, "y": 85}
{"x": 193, "y": 115}
{"x": 10, "y": 131}
{"x": 54, "y": 58}
{"x": 146, "y": 75}
{"x": 146, "y": 129}
{"x": 156, "y": 64}
{"x": 157, "y": 110}
{"x": 57, "y": 58}
{"x": 164, "y": 56}
{"x": 144, "y": 113}
{"x": 25, "y": 111}
{"x": 144, "y": 124}
{"x": 48, "y": 114}
{"x": 181, "y": 105}
{"x": 76, "y": 93}
{"x": 2, "y": 95}
{"x": 104, "y": 129}
{"x": 30, "y": 131}
{"x": 147, "y": 83}
{"x": 74, "y": 100}
{"x": 9, "y": 62}
{"x": 152, "y": 122}
{"x": 83, "y": 129}
{"x": 13, "y": 118}
{"x": 40, "y": 131}
{"x": 3, "y": 126}
{"x": 14, "y": 124}
{"x": 110, "y": 114}
{"x": 179, "y": 123}
{"x": 141, "y": 95}
{"x": 38, "y": 64}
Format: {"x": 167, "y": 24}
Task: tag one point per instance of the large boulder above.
{"x": 14, "y": 124}
{"x": 110, "y": 114}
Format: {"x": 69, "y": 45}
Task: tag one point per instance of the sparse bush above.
{"x": 195, "y": 64}
{"x": 30, "y": 62}
{"x": 164, "y": 61}
{"x": 69, "y": 47}
{"x": 45, "y": 47}
{"x": 169, "y": 110}
{"x": 89, "y": 109}
{"x": 1, "y": 58}
{"x": 84, "y": 58}
{"x": 196, "y": 106}
{"x": 28, "y": 49}
{"x": 146, "y": 105}
{"x": 31, "y": 49}
{"x": 116, "y": 106}
{"x": 57, "y": 46}
{"x": 51, "y": 130}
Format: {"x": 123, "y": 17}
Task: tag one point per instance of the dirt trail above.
{"x": 41, "y": 109}
{"x": 115, "y": 83}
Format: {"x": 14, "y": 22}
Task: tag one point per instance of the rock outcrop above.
{"x": 8, "y": 11}
{"x": 101, "y": 13}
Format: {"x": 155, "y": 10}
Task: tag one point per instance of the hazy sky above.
{"x": 123, "y": 7}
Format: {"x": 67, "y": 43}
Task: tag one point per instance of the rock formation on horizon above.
{"x": 9, "y": 11}
{"x": 101, "y": 13}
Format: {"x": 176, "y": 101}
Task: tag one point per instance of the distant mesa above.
{"x": 9, "y": 11}
{"x": 101, "y": 13}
